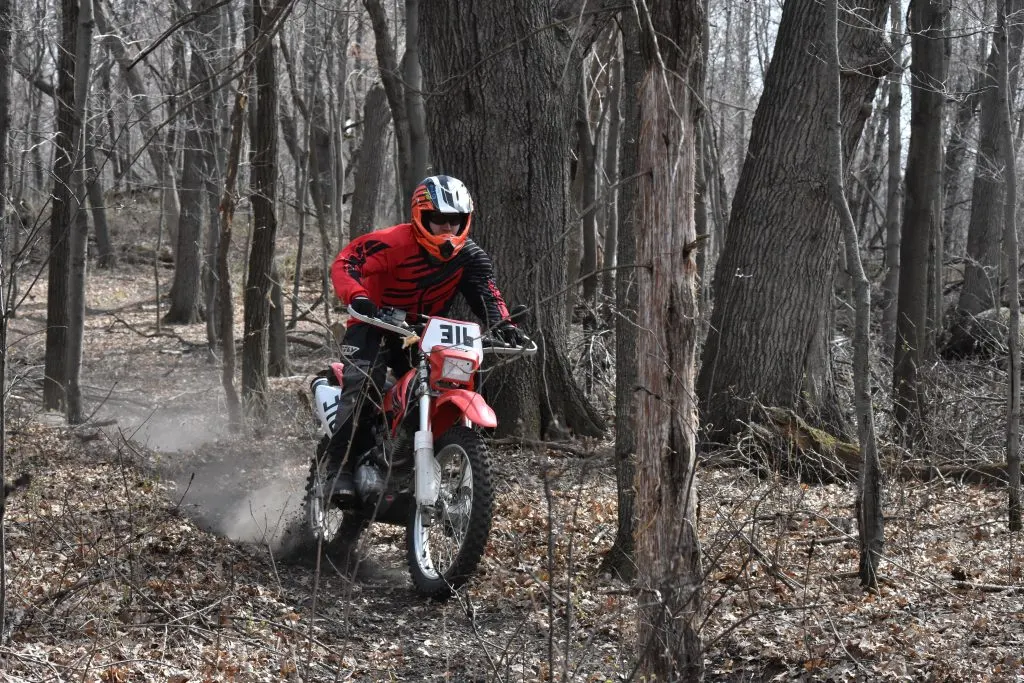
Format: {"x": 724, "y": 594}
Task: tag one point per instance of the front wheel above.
{"x": 444, "y": 546}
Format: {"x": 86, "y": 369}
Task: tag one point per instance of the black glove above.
{"x": 363, "y": 306}
{"x": 507, "y": 333}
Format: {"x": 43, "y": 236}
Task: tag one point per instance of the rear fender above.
{"x": 455, "y": 404}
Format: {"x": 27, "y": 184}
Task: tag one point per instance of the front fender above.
{"x": 457, "y": 403}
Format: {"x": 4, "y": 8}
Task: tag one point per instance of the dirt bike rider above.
{"x": 417, "y": 267}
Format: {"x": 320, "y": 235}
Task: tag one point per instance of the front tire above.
{"x": 444, "y": 548}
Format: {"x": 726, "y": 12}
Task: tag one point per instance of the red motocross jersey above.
{"x": 391, "y": 269}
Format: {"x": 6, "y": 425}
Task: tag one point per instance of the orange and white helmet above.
{"x": 444, "y": 197}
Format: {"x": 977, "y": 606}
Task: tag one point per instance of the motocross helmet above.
{"x": 441, "y": 194}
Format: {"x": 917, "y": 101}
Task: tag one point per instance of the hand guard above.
{"x": 507, "y": 333}
{"x": 364, "y": 306}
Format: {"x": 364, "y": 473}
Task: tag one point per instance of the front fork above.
{"x": 428, "y": 471}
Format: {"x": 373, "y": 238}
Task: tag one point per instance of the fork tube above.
{"x": 428, "y": 475}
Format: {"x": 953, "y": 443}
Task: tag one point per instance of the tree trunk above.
{"x": 869, "y": 500}
{"x": 504, "y": 127}
{"x": 186, "y": 305}
{"x": 158, "y": 154}
{"x": 79, "y": 237}
{"x": 586, "y": 168}
{"x": 668, "y": 550}
{"x": 259, "y": 281}
{"x": 6, "y": 15}
{"x": 981, "y": 289}
{"x": 620, "y": 557}
{"x": 370, "y": 164}
{"x": 61, "y": 215}
{"x": 277, "y": 361}
{"x": 770, "y": 286}
{"x": 894, "y": 184}
{"x": 227, "y": 210}
{"x": 395, "y": 90}
{"x": 610, "y": 196}
{"x": 412, "y": 75}
{"x": 106, "y": 258}
{"x": 928, "y": 68}
{"x": 1009, "y": 160}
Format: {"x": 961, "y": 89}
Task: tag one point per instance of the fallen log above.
{"x": 785, "y": 443}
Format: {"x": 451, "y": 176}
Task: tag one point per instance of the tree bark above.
{"x": 61, "y": 215}
{"x": 1009, "y": 161}
{"x": 227, "y": 210}
{"x": 503, "y": 126}
{"x": 894, "y": 185}
{"x": 869, "y": 499}
{"x": 106, "y": 258}
{"x": 620, "y": 558}
{"x": 610, "y": 195}
{"x": 668, "y": 550}
{"x": 771, "y": 286}
{"x": 6, "y": 15}
{"x": 186, "y": 301}
{"x": 259, "y": 279}
{"x": 370, "y": 164}
{"x": 80, "y": 228}
{"x": 412, "y": 76}
{"x": 981, "y": 290}
{"x": 158, "y": 154}
{"x": 928, "y": 69}
{"x": 387, "y": 63}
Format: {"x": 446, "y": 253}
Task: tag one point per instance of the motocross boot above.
{"x": 342, "y": 454}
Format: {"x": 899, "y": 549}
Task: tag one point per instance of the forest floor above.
{"x": 151, "y": 544}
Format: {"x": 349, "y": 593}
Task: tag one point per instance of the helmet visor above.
{"x": 435, "y": 221}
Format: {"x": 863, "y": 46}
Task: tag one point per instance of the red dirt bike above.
{"x": 430, "y": 470}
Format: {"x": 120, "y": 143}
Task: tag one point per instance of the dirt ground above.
{"x": 152, "y": 544}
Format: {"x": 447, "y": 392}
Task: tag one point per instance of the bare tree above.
{"x": 80, "y": 230}
{"x": 186, "y": 302}
{"x": 1009, "y": 161}
{"x": 894, "y": 184}
{"x": 928, "y": 68}
{"x": 5, "y": 124}
{"x": 259, "y": 279}
{"x": 62, "y": 213}
{"x": 369, "y": 163}
{"x": 668, "y": 550}
{"x": 982, "y": 273}
{"x": 620, "y": 558}
{"x": 869, "y": 500}
{"x": 502, "y": 125}
{"x": 769, "y": 332}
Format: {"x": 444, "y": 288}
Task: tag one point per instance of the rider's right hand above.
{"x": 363, "y": 306}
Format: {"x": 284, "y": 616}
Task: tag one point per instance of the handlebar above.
{"x": 393, "y": 320}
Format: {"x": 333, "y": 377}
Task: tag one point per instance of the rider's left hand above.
{"x": 508, "y": 333}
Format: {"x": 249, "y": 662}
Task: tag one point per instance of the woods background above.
{"x": 772, "y": 240}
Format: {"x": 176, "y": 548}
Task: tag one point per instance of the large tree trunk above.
{"x": 5, "y": 124}
{"x": 668, "y": 550}
{"x": 981, "y": 288}
{"x": 259, "y": 279}
{"x": 503, "y": 126}
{"x": 923, "y": 209}
{"x": 771, "y": 285}
{"x": 61, "y": 215}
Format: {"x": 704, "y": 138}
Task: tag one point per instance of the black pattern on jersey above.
{"x": 361, "y": 252}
